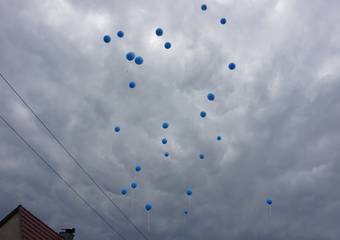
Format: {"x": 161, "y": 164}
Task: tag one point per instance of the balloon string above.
{"x": 189, "y": 203}
{"x": 113, "y": 143}
{"x": 270, "y": 211}
{"x": 148, "y": 221}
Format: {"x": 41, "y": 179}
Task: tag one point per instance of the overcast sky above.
{"x": 278, "y": 114}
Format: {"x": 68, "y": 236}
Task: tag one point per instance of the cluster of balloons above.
{"x": 130, "y": 57}
{"x": 223, "y": 21}
{"x": 159, "y": 32}
{"x": 189, "y": 194}
{"x": 204, "y": 8}
{"x": 107, "y": 38}
{"x": 134, "y": 184}
{"x": 165, "y": 125}
{"x": 231, "y": 66}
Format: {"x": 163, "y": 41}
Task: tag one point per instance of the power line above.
{"x": 61, "y": 177}
{"x": 72, "y": 157}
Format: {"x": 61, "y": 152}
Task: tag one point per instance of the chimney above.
{"x": 68, "y": 233}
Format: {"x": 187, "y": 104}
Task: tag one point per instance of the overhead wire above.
{"x": 59, "y": 142}
{"x": 18, "y": 135}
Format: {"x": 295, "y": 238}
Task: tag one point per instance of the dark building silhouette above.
{"x": 20, "y": 224}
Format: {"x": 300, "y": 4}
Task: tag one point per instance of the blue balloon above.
{"x": 166, "y": 154}
{"x": 132, "y": 84}
{"x": 219, "y": 138}
{"x": 117, "y": 129}
{"x": 164, "y": 141}
{"x": 138, "y": 168}
{"x": 203, "y": 114}
{"x": 159, "y": 32}
{"x": 134, "y": 185}
{"x": 167, "y": 45}
{"x": 165, "y": 125}
{"x": 130, "y": 56}
{"x": 223, "y": 21}
{"x": 189, "y": 191}
{"x": 201, "y": 156}
{"x": 124, "y": 191}
{"x": 139, "y": 60}
{"x": 204, "y": 7}
{"x": 120, "y": 34}
{"x": 148, "y": 206}
{"x": 232, "y": 66}
{"x": 211, "y": 97}
{"x": 269, "y": 202}
{"x": 186, "y": 212}
{"x": 107, "y": 38}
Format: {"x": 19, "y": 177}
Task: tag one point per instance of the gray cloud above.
{"x": 277, "y": 114}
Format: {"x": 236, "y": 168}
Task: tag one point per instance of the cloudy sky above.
{"x": 278, "y": 114}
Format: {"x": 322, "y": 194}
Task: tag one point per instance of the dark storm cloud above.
{"x": 277, "y": 114}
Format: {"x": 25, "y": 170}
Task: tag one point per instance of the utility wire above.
{"x": 72, "y": 157}
{"x": 61, "y": 177}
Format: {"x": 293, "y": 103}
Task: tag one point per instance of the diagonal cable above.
{"x": 17, "y": 134}
{"x": 71, "y": 156}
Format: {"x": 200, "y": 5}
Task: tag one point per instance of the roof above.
{"x": 31, "y": 227}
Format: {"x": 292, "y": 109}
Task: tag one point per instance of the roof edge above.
{"x": 10, "y": 215}
{"x": 21, "y": 208}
